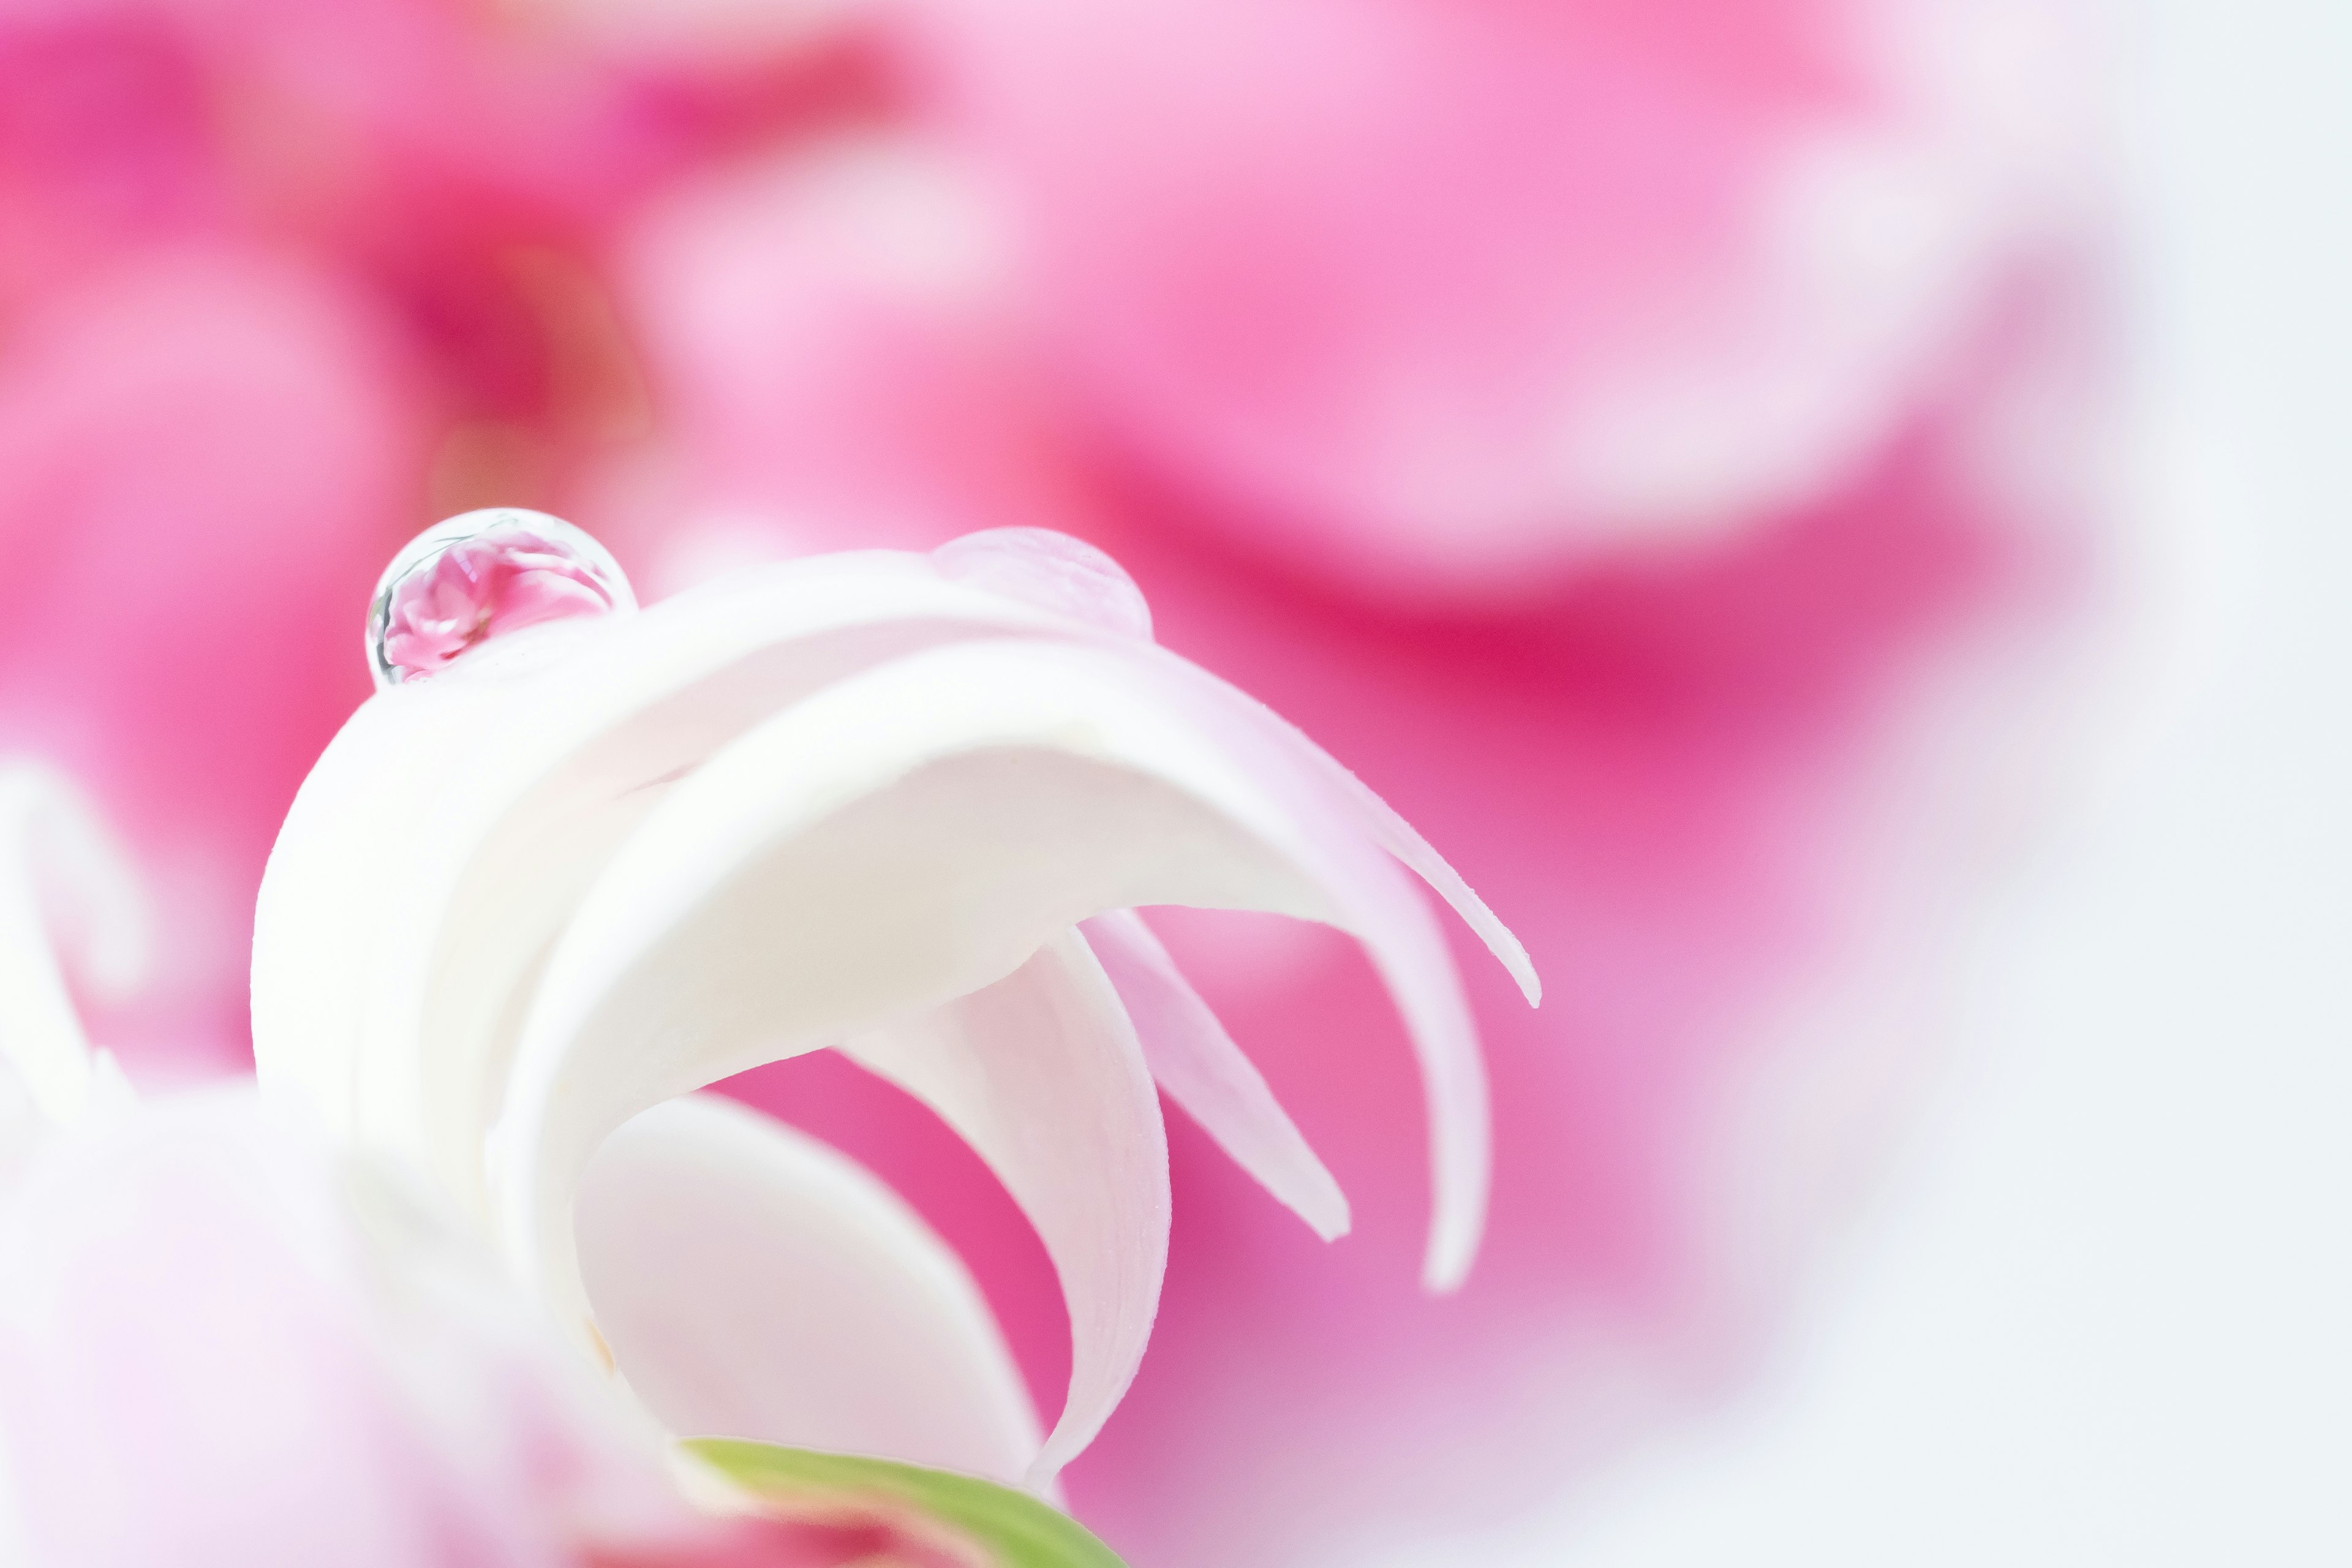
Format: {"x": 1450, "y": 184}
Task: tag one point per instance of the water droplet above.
{"x": 1050, "y": 572}
{"x": 480, "y": 575}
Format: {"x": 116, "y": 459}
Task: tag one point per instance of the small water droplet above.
{"x": 479, "y": 576}
{"x": 1052, "y": 572}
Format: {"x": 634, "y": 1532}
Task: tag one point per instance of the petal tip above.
{"x": 1519, "y": 966}
{"x": 1455, "y": 1234}
{"x": 1328, "y": 1215}
{"x": 1447, "y": 1269}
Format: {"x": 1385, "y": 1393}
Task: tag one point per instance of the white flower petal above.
{"x": 754, "y": 1283}
{"x": 897, "y": 841}
{"x": 1052, "y": 571}
{"x": 1039, "y": 567}
{"x": 49, "y": 835}
{"x": 322, "y": 926}
{"x": 442, "y": 841}
{"x": 596, "y": 866}
{"x": 903, "y": 838}
{"x": 1323, "y": 789}
{"x": 1194, "y": 1058}
{"x": 1042, "y": 1075}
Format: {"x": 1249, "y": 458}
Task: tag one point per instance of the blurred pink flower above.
{"x": 225, "y": 1342}
{"x": 1740, "y": 802}
{"x": 1444, "y": 299}
{"x": 222, "y": 1341}
{"x": 1740, "y": 805}
{"x": 274, "y": 281}
{"x": 202, "y": 453}
{"x": 1639, "y": 437}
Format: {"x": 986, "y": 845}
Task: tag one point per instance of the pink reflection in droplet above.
{"x": 479, "y": 576}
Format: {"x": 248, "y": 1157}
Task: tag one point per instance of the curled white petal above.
{"x": 900, "y": 839}
{"x": 756, "y": 1284}
{"x": 1322, "y": 789}
{"x": 443, "y": 840}
{"x": 1193, "y": 1057}
{"x": 590, "y": 869}
{"x": 49, "y": 834}
{"x": 1042, "y": 1075}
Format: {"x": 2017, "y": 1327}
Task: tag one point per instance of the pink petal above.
{"x": 104, "y": 144}
{"x": 1197, "y": 1063}
{"x": 1042, "y": 1075}
{"x": 222, "y": 1345}
{"x": 844, "y": 361}
{"x": 756, "y": 1284}
{"x": 1446, "y": 299}
{"x": 202, "y": 456}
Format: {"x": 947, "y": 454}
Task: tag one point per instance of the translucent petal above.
{"x": 1042, "y": 1075}
{"x": 1322, "y": 788}
{"x": 1193, "y": 1057}
{"x": 1053, "y": 571}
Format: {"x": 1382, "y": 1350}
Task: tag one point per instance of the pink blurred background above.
{"x": 1689, "y": 456}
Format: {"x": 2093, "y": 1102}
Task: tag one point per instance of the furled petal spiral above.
{"x": 903, "y": 838}
{"x": 838, "y": 801}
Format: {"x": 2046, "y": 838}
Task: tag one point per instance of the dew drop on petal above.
{"x": 1050, "y": 571}
{"x": 479, "y": 576}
